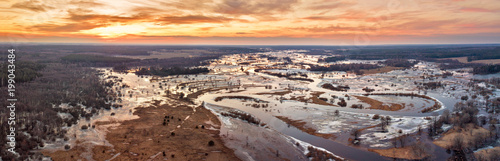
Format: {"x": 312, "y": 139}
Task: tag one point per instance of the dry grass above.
{"x": 380, "y": 70}
{"x": 436, "y": 105}
{"x": 301, "y": 125}
{"x": 468, "y": 134}
{"x": 142, "y": 138}
{"x": 464, "y": 60}
{"x": 488, "y": 61}
{"x": 314, "y": 98}
{"x": 402, "y": 153}
{"x": 374, "y": 104}
{"x": 486, "y": 154}
{"x": 244, "y": 98}
{"x": 201, "y": 92}
{"x": 236, "y": 91}
{"x": 275, "y": 93}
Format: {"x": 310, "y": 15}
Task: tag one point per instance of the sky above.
{"x": 251, "y": 22}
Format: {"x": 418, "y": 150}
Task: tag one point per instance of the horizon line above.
{"x": 143, "y": 44}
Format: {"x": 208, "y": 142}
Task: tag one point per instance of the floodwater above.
{"x": 347, "y": 152}
{"x": 144, "y": 92}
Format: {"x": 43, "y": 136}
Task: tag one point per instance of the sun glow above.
{"x": 326, "y": 22}
{"x": 116, "y": 31}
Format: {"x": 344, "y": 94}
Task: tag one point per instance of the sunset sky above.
{"x": 246, "y": 22}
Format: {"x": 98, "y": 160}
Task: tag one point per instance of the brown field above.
{"x": 201, "y": 92}
{"x": 147, "y": 138}
{"x": 380, "y": 70}
{"x": 468, "y": 135}
{"x": 301, "y": 125}
{"x": 486, "y": 154}
{"x": 374, "y": 104}
{"x": 402, "y": 153}
{"x": 275, "y": 93}
{"x": 315, "y": 99}
{"x": 243, "y": 98}
{"x": 464, "y": 60}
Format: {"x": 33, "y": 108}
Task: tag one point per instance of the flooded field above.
{"x": 297, "y": 108}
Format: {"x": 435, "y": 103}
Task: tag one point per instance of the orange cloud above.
{"x": 189, "y": 19}
{"x": 208, "y": 21}
{"x": 473, "y": 9}
{"x": 35, "y": 6}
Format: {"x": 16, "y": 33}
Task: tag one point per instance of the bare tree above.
{"x": 402, "y": 140}
{"x": 420, "y": 149}
{"x": 356, "y": 133}
{"x": 457, "y": 143}
{"x": 446, "y": 116}
{"x": 383, "y": 123}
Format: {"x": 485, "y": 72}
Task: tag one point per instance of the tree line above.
{"x": 170, "y": 71}
{"x": 25, "y": 71}
{"x": 38, "y": 106}
{"x": 486, "y": 69}
{"x": 344, "y": 67}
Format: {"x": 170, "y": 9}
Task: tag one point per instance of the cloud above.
{"x": 421, "y": 24}
{"x": 84, "y": 16}
{"x": 85, "y": 3}
{"x": 331, "y": 5}
{"x": 70, "y": 27}
{"x": 473, "y": 9}
{"x": 258, "y": 8}
{"x": 330, "y": 28}
{"x": 206, "y": 28}
{"x": 191, "y": 19}
{"x": 322, "y": 18}
{"x": 269, "y": 18}
{"x": 31, "y": 5}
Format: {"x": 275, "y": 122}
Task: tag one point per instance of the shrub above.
{"x": 211, "y": 143}
{"x": 342, "y": 103}
{"x": 357, "y": 106}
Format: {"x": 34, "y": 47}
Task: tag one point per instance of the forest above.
{"x": 399, "y": 63}
{"x": 95, "y": 60}
{"x": 434, "y": 52}
{"x": 170, "y": 71}
{"x": 477, "y": 52}
{"x": 332, "y": 59}
{"x": 25, "y": 71}
{"x": 344, "y": 67}
{"x": 38, "y": 106}
{"x": 486, "y": 69}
